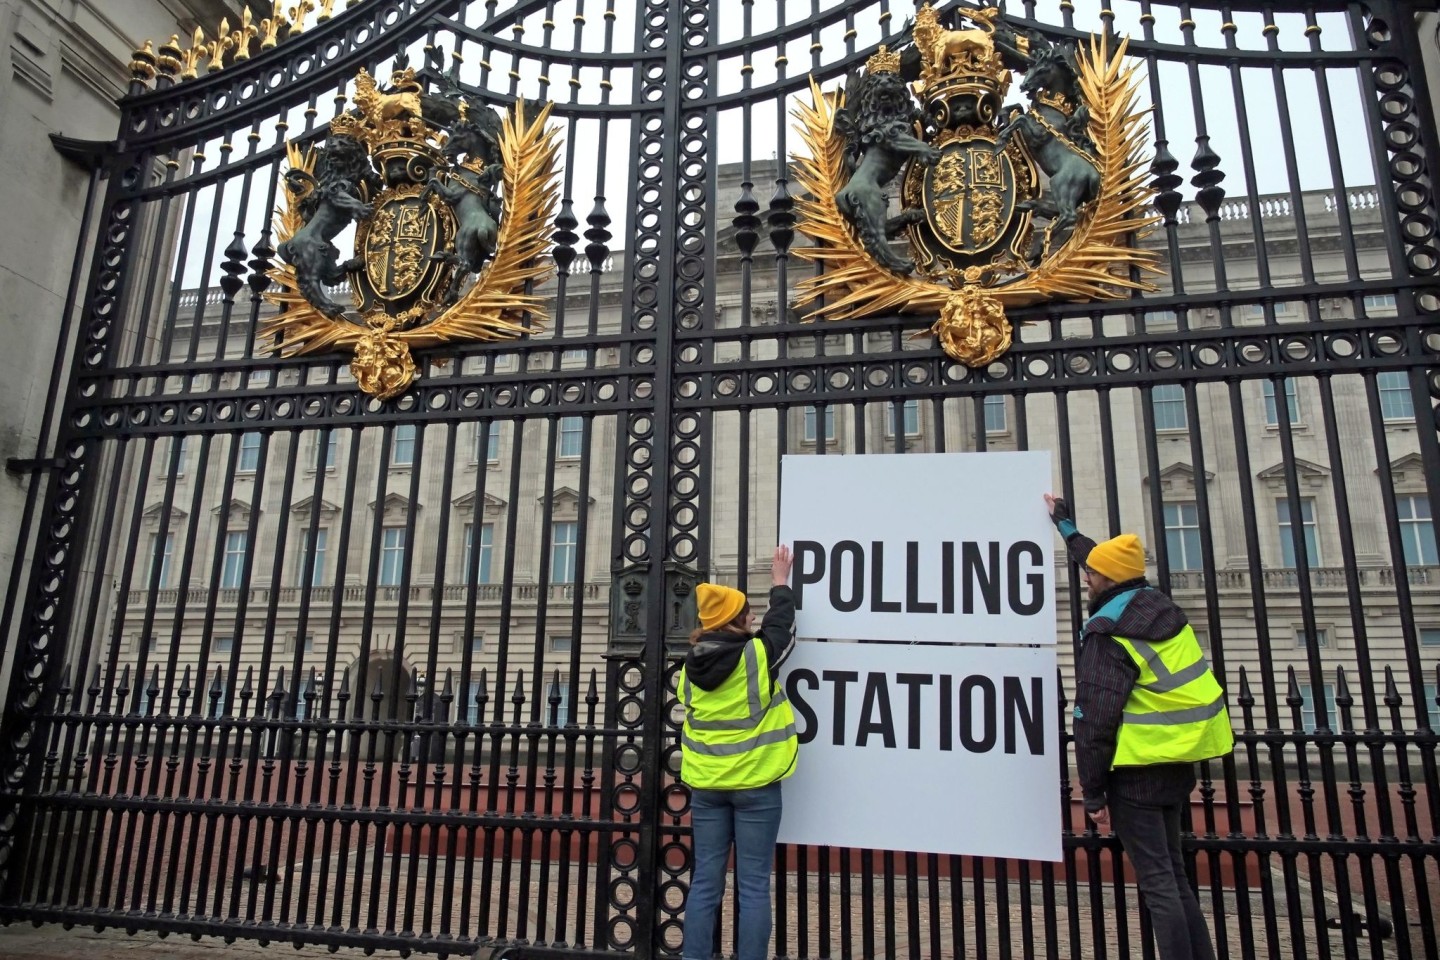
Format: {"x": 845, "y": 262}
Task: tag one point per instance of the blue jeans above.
{"x": 751, "y": 819}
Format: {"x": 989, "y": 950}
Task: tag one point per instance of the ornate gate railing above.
{"x": 291, "y": 663}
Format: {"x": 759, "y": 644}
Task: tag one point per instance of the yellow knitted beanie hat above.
{"x": 1119, "y": 558}
{"x": 718, "y": 605}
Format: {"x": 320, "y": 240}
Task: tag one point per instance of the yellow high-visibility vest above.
{"x": 1176, "y": 710}
{"x": 741, "y": 734}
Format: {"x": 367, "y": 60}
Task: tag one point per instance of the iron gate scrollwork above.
{"x": 295, "y": 663}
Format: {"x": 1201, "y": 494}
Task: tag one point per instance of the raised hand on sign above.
{"x": 1059, "y": 509}
{"x": 780, "y": 566}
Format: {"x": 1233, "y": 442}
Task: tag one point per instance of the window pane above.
{"x": 1307, "y": 522}
{"x": 1379, "y": 303}
{"x": 236, "y": 544}
{"x": 1430, "y": 637}
{"x": 487, "y": 537}
{"x": 1395, "y": 400}
{"x": 909, "y": 418}
{"x": 490, "y": 440}
{"x": 1417, "y": 531}
{"x": 392, "y": 555}
{"x": 557, "y": 698}
{"x": 562, "y": 555}
{"x": 1168, "y": 402}
{"x": 1308, "y": 712}
{"x": 174, "y": 454}
{"x": 1182, "y": 536}
{"x": 161, "y": 549}
{"x": 572, "y": 435}
{"x": 317, "y": 575}
{"x": 472, "y": 708}
{"x": 403, "y": 451}
{"x": 325, "y": 450}
{"x": 249, "y": 459}
{"x": 995, "y": 414}
{"x": 810, "y": 415}
{"x": 1292, "y": 405}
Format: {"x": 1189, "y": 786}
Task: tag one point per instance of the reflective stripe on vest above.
{"x": 752, "y": 696}
{"x": 742, "y": 733}
{"x": 1176, "y": 710}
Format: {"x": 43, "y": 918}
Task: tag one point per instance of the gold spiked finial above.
{"x": 241, "y": 38}
{"x": 190, "y": 59}
{"x": 883, "y": 60}
{"x": 270, "y": 27}
{"x": 297, "y": 15}
{"x": 217, "y": 48}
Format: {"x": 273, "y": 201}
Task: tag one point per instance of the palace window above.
{"x": 162, "y": 548}
{"x": 1182, "y": 536}
{"x": 402, "y": 454}
{"x": 1396, "y": 402}
{"x": 1168, "y": 403}
{"x": 1307, "y": 528}
{"x": 482, "y": 566}
{"x": 571, "y": 439}
{"x": 995, "y": 416}
{"x": 1417, "y": 530}
{"x": 1292, "y": 405}
{"x": 237, "y": 544}
{"x": 811, "y": 415}
{"x": 249, "y": 459}
{"x": 562, "y": 551}
{"x": 392, "y": 555}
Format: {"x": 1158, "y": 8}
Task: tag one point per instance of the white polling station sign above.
{"x": 937, "y": 547}
{"x": 936, "y": 749}
{"x": 940, "y": 734}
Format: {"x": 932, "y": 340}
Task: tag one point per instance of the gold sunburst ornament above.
{"x": 453, "y": 206}
{"x": 983, "y": 229}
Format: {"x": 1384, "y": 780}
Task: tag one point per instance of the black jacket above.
{"x": 1104, "y": 676}
{"x": 713, "y": 657}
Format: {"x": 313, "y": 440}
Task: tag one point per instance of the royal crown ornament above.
{"x": 453, "y": 206}
{"x": 999, "y": 205}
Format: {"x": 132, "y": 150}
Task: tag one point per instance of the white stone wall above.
{"x": 64, "y": 65}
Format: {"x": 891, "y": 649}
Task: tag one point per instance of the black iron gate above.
{"x": 292, "y": 664}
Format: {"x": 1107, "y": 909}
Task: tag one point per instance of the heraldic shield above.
{"x": 453, "y": 207}
{"x": 403, "y": 247}
{"x": 971, "y": 197}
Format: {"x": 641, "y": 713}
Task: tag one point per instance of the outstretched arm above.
{"x": 1078, "y": 544}
{"x": 777, "y": 630}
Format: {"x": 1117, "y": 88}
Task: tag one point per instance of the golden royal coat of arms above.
{"x": 452, "y": 204}
{"x": 999, "y": 206}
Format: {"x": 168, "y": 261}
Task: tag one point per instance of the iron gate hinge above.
{"x": 34, "y": 465}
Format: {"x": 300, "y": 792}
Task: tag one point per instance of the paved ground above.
{"x": 1001, "y": 935}
{"x": 27, "y": 942}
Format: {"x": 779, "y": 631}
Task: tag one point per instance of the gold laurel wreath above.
{"x": 495, "y": 306}
{"x": 1098, "y": 262}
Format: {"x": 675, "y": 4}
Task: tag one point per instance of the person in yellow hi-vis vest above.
{"x": 737, "y": 744}
{"x": 1147, "y": 708}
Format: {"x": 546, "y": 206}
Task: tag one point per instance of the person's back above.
{"x": 1147, "y": 707}
{"x": 737, "y": 744}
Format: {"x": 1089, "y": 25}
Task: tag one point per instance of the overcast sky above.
{"x": 728, "y": 145}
